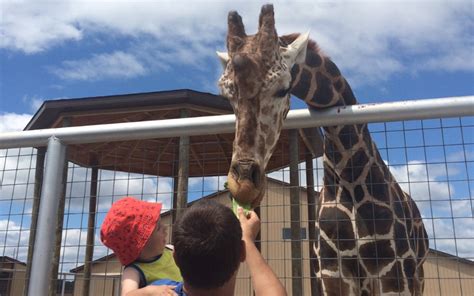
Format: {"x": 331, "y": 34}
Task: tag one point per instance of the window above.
{"x": 286, "y": 233}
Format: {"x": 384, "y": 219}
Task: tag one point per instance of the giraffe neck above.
{"x": 348, "y": 148}
{"x": 319, "y": 82}
{"x": 360, "y": 194}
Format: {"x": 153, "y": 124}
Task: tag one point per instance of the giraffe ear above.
{"x": 223, "y": 58}
{"x": 297, "y": 49}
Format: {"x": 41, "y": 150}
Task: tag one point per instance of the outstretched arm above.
{"x": 264, "y": 279}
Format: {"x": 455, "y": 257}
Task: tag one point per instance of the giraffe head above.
{"x": 257, "y": 82}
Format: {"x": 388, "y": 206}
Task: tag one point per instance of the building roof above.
{"x": 437, "y": 253}
{"x": 101, "y": 259}
{"x": 209, "y": 155}
{"x": 7, "y": 259}
{"x": 51, "y": 112}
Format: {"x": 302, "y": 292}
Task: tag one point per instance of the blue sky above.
{"x": 388, "y": 50}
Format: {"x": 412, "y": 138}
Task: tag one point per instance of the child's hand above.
{"x": 250, "y": 224}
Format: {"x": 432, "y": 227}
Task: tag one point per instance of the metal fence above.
{"x": 428, "y": 145}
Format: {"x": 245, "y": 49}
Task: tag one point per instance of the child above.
{"x": 132, "y": 229}
{"x": 210, "y": 243}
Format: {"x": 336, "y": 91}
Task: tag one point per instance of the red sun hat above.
{"x": 128, "y": 226}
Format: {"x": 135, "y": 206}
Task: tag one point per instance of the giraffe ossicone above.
{"x": 372, "y": 239}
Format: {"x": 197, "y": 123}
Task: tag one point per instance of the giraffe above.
{"x": 372, "y": 239}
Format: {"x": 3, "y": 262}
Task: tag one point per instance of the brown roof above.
{"x": 51, "y": 112}
{"x": 101, "y": 259}
{"x": 437, "y": 254}
{"x": 6, "y": 259}
{"x": 210, "y": 155}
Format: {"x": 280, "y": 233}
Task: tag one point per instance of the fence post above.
{"x": 53, "y": 286}
{"x": 52, "y": 188}
{"x": 312, "y": 217}
{"x": 34, "y": 212}
{"x": 90, "y": 228}
{"x": 295, "y": 217}
{"x": 183, "y": 172}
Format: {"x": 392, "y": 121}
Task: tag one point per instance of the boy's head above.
{"x": 208, "y": 245}
{"x": 128, "y": 226}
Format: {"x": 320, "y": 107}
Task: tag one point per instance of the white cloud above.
{"x": 421, "y": 181}
{"x": 33, "y": 27}
{"x": 102, "y": 66}
{"x": 366, "y": 39}
{"x": 13, "y": 122}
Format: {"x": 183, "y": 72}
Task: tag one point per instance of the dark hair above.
{"x": 207, "y": 244}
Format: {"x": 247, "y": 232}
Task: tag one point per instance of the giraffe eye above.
{"x": 282, "y": 92}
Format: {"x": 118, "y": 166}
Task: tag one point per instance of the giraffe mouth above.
{"x": 245, "y": 182}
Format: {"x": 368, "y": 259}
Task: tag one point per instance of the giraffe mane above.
{"x": 288, "y": 39}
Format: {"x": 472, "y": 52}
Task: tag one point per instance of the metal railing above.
{"x": 57, "y": 140}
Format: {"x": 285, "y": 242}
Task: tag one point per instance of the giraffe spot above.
{"x": 335, "y": 286}
{"x": 338, "y": 227}
{"x": 270, "y": 139}
{"x": 348, "y": 95}
{"x": 373, "y": 219}
{"x": 330, "y": 193}
{"x": 392, "y": 281}
{"x": 365, "y": 293}
{"x": 368, "y": 143}
{"x": 358, "y": 193}
{"x": 409, "y": 266}
{"x": 313, "y": 59}
{"x": 266, "y": 110}
{"x": 401, "y": 239}
{"x": 348, "y": 136}
{"x": 261, "y": 145}
{"x": 376, "y": 255}
{"x": 421, "y": 241}
{"x": 352, "y": 269}
{"x": 338, "y": 85}
{"x": 330, "y": 185}
{"x": 376, "y": 184}
{"x": 333, "y": 155}
{"x": 247, "y": 131}
{"x": 323, "y": 94}
{"x": 399, "y": 211}
{"x": 264, "y": 128}
{"x": 328, "y": 257}
{"x": 331, "y": 68}
{"x": 294, "y": 71}
{"x": 247, "y": 138}
{"x": 345, "y": 198}
{"x": 406, "y": 217}
{"x": 354, "y": 167}
{"x": 300, "y": 89}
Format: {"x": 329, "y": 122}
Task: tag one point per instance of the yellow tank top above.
{"x": 162, "y": 269}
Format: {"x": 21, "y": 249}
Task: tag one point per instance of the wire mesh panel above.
{"x": 432, "y": 160}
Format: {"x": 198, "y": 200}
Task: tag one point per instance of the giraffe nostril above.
{"x": 234, "y": 171}
{"x": 246, "y": 170}
{"x": 255, "y": 175}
